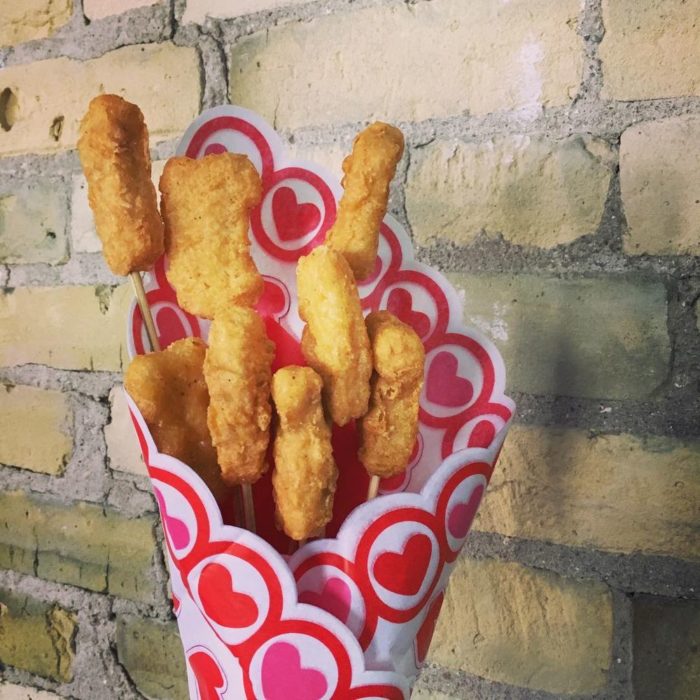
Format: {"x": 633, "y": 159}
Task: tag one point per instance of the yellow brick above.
{"x": 650, "y": 49}
{"x": 64, "y": 327}
{"x": 97, "y": 9}
{"x": 35, "y": 426}
{"x": 36, "y": 637}
{"x": 10, "y": 691}
{"x": 411, "y": 62}
{"x": 660, "y": 182}
{"x": 122, "y": 444}
{"x": 534, "y": 190}
{"x": 615, "y": 492}
{"x": 198, "y": 10}
{"x": 52, "y": 95}
{"x": 31, "y": 19}
{"x": 531, "y": 628}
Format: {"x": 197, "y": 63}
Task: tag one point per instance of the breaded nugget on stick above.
{"x": 113, "y": 149}
{"x": 237, "y": 370}
{"x": 389, "y": 430}
{"x": 305, "y": 472}
{"x": 334, "y": 341}
{"x": 169, "y": 389}
{"x": 368, "y": 170}
{"x": 206, "y": 207}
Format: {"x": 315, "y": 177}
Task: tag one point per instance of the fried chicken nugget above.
{"x": 334, "y": 341}
{"x": 238, "y": 372}
{"x": 389, "y": 430}
{"x": 169, "y": 389}
{"x": 305, "y": 472}
{"x": 113, "y": 149}
{"x": 206, "y": 208}
{"x": 368, "y": 170}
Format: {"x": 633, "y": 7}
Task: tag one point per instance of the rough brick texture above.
{"x": 99, "y": 9}
{"x": 475, "y": 56}
{"x": 80, "y": 544}
{"x": 650, "y": 48}
{"x": 200, "y": 10}
{"x": 122, "y": 446}
{"x": 36, "y": 428}
{"x": 32, "y": 19}
{"x": 552, "y": 332}
{"x": 152, "y": 654}
{"x": 534, "y": 190}
{"x": 66, "y": 327}
{"x": 530, "y": 628}
{"x": 10, "y": 691}
{"x": 660, "y": 186}
{"x": 666, "y": 649}
{"x": 33, "y": 222}
{"x": 617, "y": 492}
{"x": 48, "y": 115}
{"x": 36, "y": 636}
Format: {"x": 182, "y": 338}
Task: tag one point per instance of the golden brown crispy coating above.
{"x": 305, "y": 472}
{"x": 169, "y": 389}
{"x": 113, "y": 149}
{"x": 334, "y": 341}
{"x": 206, "y": 208}
{"x": 389, "y": 430}
{"x": 238, "y": 372}
{"x": 368, "y": 170}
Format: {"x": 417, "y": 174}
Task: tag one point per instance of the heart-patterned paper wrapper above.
{"x": 350, "y": 615}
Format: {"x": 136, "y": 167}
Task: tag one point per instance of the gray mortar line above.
{"x": 629, "y": 573}
{"x": 92, "y": 384}
{"x": 621, "y": 668}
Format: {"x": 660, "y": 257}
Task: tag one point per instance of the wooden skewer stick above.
{"x": 373, "y": 489}
{"x": 142, "y": 301}
{"x": 248, "y": 507}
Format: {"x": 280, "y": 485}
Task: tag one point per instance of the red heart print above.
{"x": 483, "y": 434}
{"x": 403, "y": 572}
{"x": 170, "y": 327}
{"x": 284, "y": 678}
{"x": 444, "y": 386}
{"x": 274, "y": 301}
{"x": 425, "y": 633}
{"x": 400, "y": 304}
{"x": 176, "y": 528}
{"x": 214, "y": 149}
{"x": 293, "y": 220}
{"x": 335, "y": 598}
{"x": 221, "y": 602}
{"x": 210, "y": 680}
{"x": 460, "y": 518}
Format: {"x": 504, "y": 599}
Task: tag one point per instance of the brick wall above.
{"x": 552, "y": 170}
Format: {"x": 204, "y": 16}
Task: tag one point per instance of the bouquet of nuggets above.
{"x": 218, "y": 406}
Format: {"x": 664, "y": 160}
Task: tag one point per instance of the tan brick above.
{"x": 52, "y": 95}
{"x": 10, "y": 691}
{"x": 152, "y": 654}
{"x": 404, "y": 62}
{"x": 660, "y": 182}
{"x": 543, "y": 327}
{"x": 536, "y": 191}
{"x": 33, "y": 222}
{"x": 328, "y": 155}
{"x": 32, "y": 19}
{"x": 614, "y": 492}
{"x": 531, "y": 628}
{"x": 420, "y": 693}
{"x": 98, "y": 9}
{"x": 79, "y": 544}
{"x": 36, "y": 637}
{"x": 666, "y": 642}
{"x": 122, "y": 444}
{"x": 65, "y": 327}
{"x": 83, "y": 235}
{"x": 650, "y": 49}
{"x": 198, "y": 10}
{"x": 36, "y": 429}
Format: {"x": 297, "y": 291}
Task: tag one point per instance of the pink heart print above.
{"x": 293, "y": 220}
{"x": 284, "y": 678}
{"x": 460, "y": 518}
{"x": 179, "y": 534}
{"x": 444, "y": 386}
{"x": 335, "y": 598}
